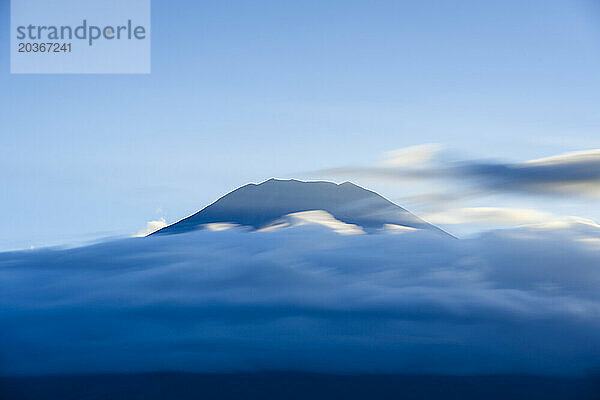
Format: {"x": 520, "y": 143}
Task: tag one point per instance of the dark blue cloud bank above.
{"x": 514, "y": 301}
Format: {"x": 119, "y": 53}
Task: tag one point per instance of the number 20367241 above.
{"x": 44, "y": 47}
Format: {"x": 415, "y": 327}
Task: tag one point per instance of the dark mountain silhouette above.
{"x": 258, "y": 206}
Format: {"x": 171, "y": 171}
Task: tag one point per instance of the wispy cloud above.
{"x": 151, "y": 226}
{"x": 411, "y": 157}
{"x": 576, "y": 173}
{"x": 489, "y": 216}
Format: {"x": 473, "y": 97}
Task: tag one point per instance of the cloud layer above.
{"x": 575, "y": 173}
{"x": 523, "y": 300}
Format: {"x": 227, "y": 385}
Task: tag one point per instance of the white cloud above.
{"x": 412, "y": 157}
{"x": 572, "y": 157}
{"x": 489, "y": 216}
{"x": 325, "y": 219}
{"x": 575, "y": 224}
{"x": 151, "y": 226}
{"x": 394, "y": 228}
{"x": 219, "y": 226}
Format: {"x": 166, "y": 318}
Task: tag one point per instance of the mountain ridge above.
{"x": 259, "y": 205}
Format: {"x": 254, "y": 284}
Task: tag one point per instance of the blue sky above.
{"x": 243, "y": 91}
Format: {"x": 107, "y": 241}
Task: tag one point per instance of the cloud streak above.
{"x": 575, "y": 173}
{"x": 522, "y": 300}
{"x": 489, "y": 216}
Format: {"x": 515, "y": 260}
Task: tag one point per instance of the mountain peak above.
{"x": 259, "y": 205}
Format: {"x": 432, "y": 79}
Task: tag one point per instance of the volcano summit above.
{"x": 276, "y": 202}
